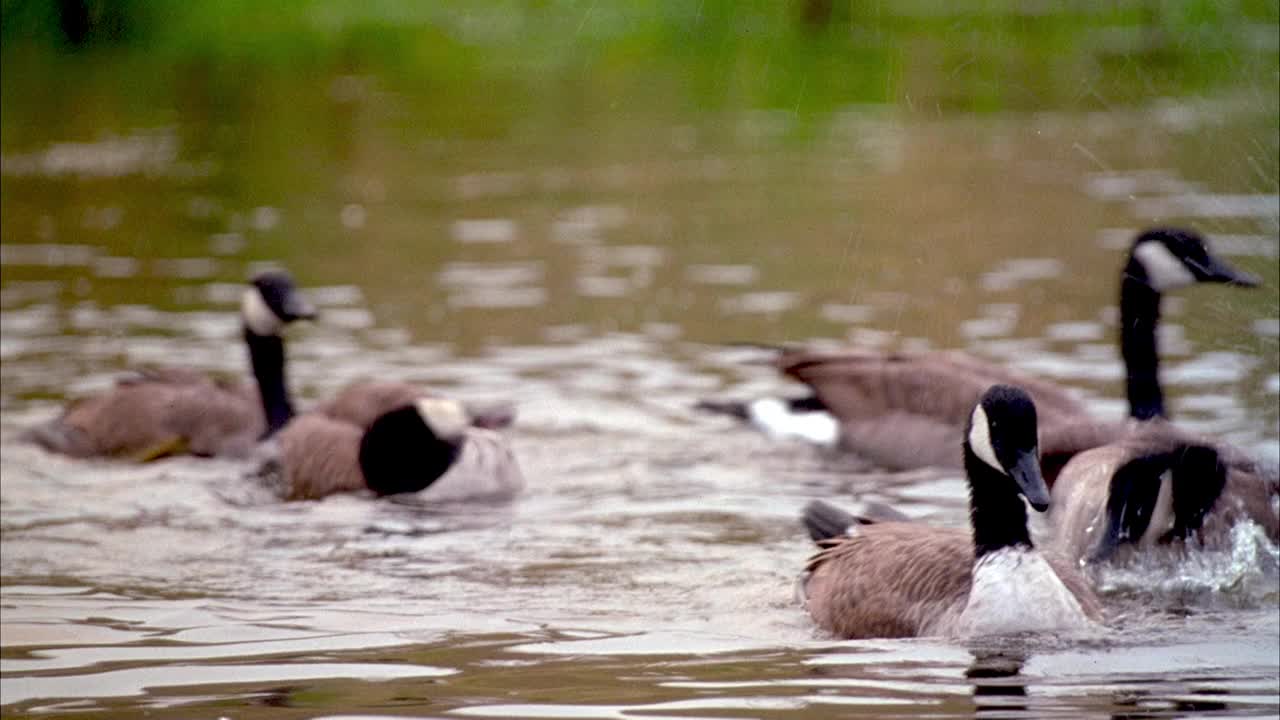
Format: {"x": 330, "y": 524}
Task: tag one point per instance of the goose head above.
{"x": 1169, "y": 258}
{"x": 408, "y": 448}
{"x": 1002, "y": 434}
{"x": 271, "y": 302}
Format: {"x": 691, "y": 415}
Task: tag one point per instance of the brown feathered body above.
{"x": 158, "y": 412}
{"x": 904, "y": 411}
{"x": 905, "y": 579}
{"x": 318, "y": 456}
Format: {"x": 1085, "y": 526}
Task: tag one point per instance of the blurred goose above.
{"x": 429, "y": 445}
{"x": 168, "y": 411}
{"x": 906, "y": 411}
{"x": 904, "y": 579}
{"x": 1158, "y": 485}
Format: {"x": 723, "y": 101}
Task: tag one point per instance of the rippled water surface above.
{"x": 595, "y": 268}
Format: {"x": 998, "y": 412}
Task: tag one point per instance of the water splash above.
{"x": 1246, "y": 573}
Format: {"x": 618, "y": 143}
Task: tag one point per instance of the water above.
{"x": 592, "y": 267}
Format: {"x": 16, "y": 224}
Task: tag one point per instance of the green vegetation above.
{"x": 802, "y": 55}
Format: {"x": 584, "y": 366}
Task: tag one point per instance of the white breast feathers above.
{"x": 1016, "y": 590}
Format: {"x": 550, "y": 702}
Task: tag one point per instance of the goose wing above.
{"x": 890, "y": 579}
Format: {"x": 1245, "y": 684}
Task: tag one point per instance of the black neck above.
{"x": 400, "y": 454}
{"x": 1139, "y": 313}
{"x": 995, "y": 508}
{"x": 266, "y": 355}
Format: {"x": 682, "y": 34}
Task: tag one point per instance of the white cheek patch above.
{"x": 980, "y": 439}
{"x": 258, "y": 317}
{"x": 1164, "y": 270}
{"x": 446, "y": 418}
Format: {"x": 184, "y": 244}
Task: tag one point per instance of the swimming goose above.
{"x": 905, "y": 411}
{"x": 167, "y": 411}
{"x": 1159, "y": 485}
{"x": 429, "y": 445}
{"x": 905, "y": 579}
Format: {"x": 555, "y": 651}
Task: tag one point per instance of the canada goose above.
{"x": 429, "y": 444}
{"x": 905, "y": 411}
{"x": 361, "y": 402}
{"x": 903, "y": 579}
{"x": 1157, "y": 484}
{"x": 167, "y": 411}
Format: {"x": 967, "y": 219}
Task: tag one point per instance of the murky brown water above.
{"x": 593, "y": 275}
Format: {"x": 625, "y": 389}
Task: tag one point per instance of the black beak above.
{"x": 1218, "y": 271}
{"x": 296, "y": 307}
{"x": 1026, "y": 472}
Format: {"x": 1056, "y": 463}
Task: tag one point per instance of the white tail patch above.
{"x": 1164, "y": 270}
{"x": 980, "y": 439}
{"x": 446, "y": 418}
{"x": 257, "y": 315}
{"x": 776, "y": 418}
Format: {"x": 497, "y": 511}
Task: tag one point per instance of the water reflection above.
{"x": 147, "y": 153}
{"x": 998, "y": 688}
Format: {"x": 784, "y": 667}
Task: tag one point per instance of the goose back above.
{"x": 904, "y": 411}
{"x": 944, "y": 385}
{"x": 363, "y": 401}
{"x": 159, "y": 413}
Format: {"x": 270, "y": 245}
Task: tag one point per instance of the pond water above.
{"x": 590, "y": 244}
